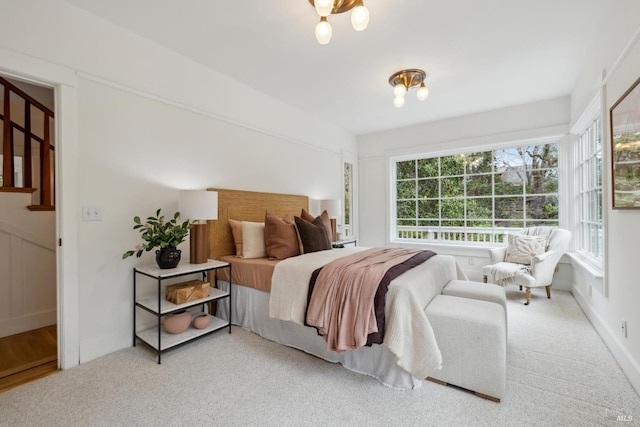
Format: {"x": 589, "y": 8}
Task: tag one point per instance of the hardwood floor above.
{"x": 28, "y": 356}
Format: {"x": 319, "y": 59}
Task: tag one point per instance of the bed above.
{"x": 402, "y": 361}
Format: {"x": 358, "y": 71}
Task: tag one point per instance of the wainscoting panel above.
{"x": 27, "y": 282}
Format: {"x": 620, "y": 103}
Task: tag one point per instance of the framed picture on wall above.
{"x": 625, "y": 149}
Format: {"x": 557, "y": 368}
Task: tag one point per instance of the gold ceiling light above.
{"x": 404, "y": 80}
{"x": 359, "y": 16}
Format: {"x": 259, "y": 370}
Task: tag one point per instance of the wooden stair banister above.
{"x": 45, "y": 166}
{"x": 47, "y": 194}
{"x": 28, "y": 179}
{"x": 7, "y": 147}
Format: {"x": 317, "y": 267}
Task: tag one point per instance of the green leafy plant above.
{"x": 159, "y": 233}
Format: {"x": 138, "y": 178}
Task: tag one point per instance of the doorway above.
{"x": 28, "y": 273}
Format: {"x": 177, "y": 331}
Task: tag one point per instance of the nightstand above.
{"x": 157, "y": 305}
{"x": 349, "y": 241}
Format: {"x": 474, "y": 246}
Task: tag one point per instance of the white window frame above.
{"x": 492, "y": 241}
{"x": 351, "y": 231}
{"x": 590, "y": 207}
{"x": 584, "y": 183}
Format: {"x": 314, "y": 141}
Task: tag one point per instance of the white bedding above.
{"x": 408, "y": 334}
{"x": 288, "y": 291}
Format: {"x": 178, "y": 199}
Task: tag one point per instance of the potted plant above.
{"x": 162, "y": 234}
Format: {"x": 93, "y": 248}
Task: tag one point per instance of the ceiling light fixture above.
{"x": 404, "y": 80}
{"x": 359, "y": 16}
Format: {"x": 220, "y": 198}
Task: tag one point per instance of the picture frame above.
{"x": 624, "y": 121}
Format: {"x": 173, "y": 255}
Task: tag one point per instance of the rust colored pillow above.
{"x": 324, "y": 217}
{"x": 313, "y": 235}
{"x": 236, "y": 232}
{"x": 280, "y": 237}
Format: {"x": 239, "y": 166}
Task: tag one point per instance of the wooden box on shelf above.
{"x": 179, "y": 293}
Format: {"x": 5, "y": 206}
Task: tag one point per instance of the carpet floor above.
{"x": 559, "y": 372}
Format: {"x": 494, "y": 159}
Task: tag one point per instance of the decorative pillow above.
{"x": 324, "y": 216}
{"x": 313, "y": 236}
{"x": 253, "y": 244}
{"x": 280, "y": 237}
{"x": 522, "y": 248}
{"x": 236, "y": 232}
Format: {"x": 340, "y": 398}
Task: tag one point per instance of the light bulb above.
{"x": 323, "y": 7}
{"x": 323, "y": 31}
{"x": 360, "y": 17}
{"x": 423, "y": 92}
{"x": 399, "y": 90}
{"x": 398, "y": 101}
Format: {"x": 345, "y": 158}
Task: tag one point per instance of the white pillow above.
{"x": 522, "y": 248}
{"x": 253, "y": 244}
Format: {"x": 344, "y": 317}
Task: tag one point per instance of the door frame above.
{"x": 63, "y": 81}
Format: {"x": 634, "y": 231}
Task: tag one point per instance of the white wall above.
{"x": 141, "y": 123}
{"x": 616, "y": 57}
{"x": 545, "y": 119}
{"x": 27, "y": 265}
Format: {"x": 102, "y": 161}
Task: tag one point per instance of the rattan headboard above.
{"x": 247, "y": 206}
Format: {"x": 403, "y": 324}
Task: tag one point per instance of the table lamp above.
{"x": 333, "y": 208}
{"x": 199, "y": 205}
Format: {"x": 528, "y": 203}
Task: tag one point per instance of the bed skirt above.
{"x": 251, "y": 312}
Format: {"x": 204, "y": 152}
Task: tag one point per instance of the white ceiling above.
{"x": 478, "y": 55}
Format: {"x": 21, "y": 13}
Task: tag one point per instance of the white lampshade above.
{"x": 332, "y": 206}
{"x": 360, "y": 18}
{"x": 198, "y": 205}
{"x": 398, "y": 101}
{"x": 423, "y": 92}
{"x": 323, "y": 31}
{"x": 323, "y": 7}
{"x": 314, "y": 207}
{"x": 399, "y": 90}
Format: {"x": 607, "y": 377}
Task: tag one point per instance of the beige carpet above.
{"x": 559, "y": 373}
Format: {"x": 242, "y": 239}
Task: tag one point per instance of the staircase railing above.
{"x": 45, "y": 152}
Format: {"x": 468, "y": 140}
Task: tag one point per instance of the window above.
{"x": 590, "y": 236}
{"x": 348, "y": 200}
{"x": 475, "y": 196}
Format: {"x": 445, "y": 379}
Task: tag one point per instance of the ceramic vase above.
{"x": 201, "y": 321}
{"x": 176, "y": 323}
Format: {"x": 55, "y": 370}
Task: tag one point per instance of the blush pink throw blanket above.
{"x": 342, "y": 304}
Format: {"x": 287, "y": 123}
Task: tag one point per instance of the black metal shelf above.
{"x": 154, "y": 336}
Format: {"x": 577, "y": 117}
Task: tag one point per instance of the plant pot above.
{"x": 178, "y": 322}
{"x": 168, "y": 257}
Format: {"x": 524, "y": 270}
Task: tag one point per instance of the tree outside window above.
{"x": 476, "y": 196}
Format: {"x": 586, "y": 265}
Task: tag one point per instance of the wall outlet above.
{"x": 91, "y": 213}
{"x": 471, "y": 261}
{"x": 624, "y": 328}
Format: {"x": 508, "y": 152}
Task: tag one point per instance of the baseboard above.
{"x": 626, "y": 361}
{"x": 99, "y": 346}
{"x": 30, "y": 322}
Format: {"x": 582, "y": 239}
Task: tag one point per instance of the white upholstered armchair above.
{"x": 529, "y": 259}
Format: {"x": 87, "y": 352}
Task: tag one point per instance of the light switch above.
{"x": 91, "y": 213}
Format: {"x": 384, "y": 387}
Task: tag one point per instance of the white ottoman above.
{"x": 477, "y": 290}
{"x": 471, "y": 335}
